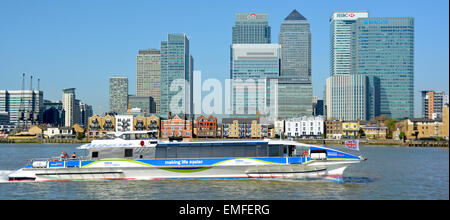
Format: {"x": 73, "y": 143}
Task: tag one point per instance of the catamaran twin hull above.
{"x": 210, "y": 168}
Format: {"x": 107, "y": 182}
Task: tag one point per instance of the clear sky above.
{"x": 82, "y": 43}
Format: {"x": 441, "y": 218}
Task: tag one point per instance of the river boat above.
{"x": 136, "y": 156}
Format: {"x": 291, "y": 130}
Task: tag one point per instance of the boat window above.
{"x": 128, "y": 152}
{"x": 95, "y": 154}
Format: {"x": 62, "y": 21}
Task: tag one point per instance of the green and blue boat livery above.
{"x": 133, "y": 155}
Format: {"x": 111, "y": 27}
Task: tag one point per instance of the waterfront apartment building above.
{"x": 251, "y": 28}
{"x": 305, "y": 127}
{"x": 385, "y": 50}
{"x": 374, "y": 131}
{"x": 206, "y": 127}
{"x": 118, "y": 94}
{"x": 176, "y": 78}
{"x": 99, "y": 126}
{"x": 124, "y": 123}
{"x": 176, "y": 127}
{"x": 432, "y": 104}
{"x": 350, "y": 129}
{"x": 333, "y": 129}
{"x": 347, "y": 97}
{"x": 251, "y": 65}
{"x": 148, "y": 73}
{"x": 244, "y": 128}
{"x": 70, "y": 106}
{"x": 32, "y": 105}
{"x": 416, "y": 128}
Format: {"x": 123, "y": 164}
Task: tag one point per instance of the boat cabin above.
{"x": 212, "y": 149}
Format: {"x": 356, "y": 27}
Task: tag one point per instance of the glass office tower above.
{"x": 251, "y": 28}
{"x": 32, "y": 102}
{"x": 346, "y": 97}
{"x": 295, "y": 41}
{"x": 176, "y": 76}
{"x": 294, "y": 98}
{"x": 342, "y": 41}
{"x": 148, "y": 73}
{"x": 251, "y": 64}
{"x": 385, "y": 49}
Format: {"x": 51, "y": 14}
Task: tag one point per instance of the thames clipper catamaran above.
{"x": 133, "y": 155}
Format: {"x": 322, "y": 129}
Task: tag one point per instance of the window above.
{"x": 128, "y": 152}
{"x": 95, "y": 154}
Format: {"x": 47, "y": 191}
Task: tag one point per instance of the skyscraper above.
{"x": 342, "y": 40}
{"x": 346, "y": 97}
{"x": 251, "y": 64}
{"x": 69, "y": 107}
{"x": 148, "y": 73}
{"x": 176, "y": 76}
{"x": 251, "y": 28}
{"x": 294, "y": 98}
{"x": 385, "y": 50}
{"x": 295, "y": 41}
{"x": 118, "y": 94}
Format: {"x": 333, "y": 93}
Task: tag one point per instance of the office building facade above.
{"x": 32, "y": 105}
{"x": 290, "y": 97}
{"x": 118, "y": 94}
{"x": 295, "y": 42}
{"x": 251, "y": 65}
{"x": 251, "y": 28}
{"x": 148, "y": 73}
{"x": 347, "y": 97}
{"x": 176, "y": 76}
{"x": 145, "y": 104}
{"x": 385, "y": 50}
{"x": 342, "y": 41}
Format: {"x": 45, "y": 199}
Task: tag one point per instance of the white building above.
{"x": 305, "y": 127}
{"x": 124, "y": 123}
{"x": 279, "y": 127}
{"x": 59, "y": 132}
{"x": 69, "y": 106}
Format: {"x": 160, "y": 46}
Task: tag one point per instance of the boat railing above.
{"x": 30, "y": 161}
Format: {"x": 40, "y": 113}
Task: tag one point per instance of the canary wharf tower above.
{"x": 251, "y": 28}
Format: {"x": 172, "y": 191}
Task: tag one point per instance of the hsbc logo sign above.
{"x": 345, "y": 15}
{"x": 349, "y": 15}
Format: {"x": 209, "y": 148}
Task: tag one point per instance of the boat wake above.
{"x": 4, "y": 175}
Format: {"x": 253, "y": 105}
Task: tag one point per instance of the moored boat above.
{"x": 133, "y": 155}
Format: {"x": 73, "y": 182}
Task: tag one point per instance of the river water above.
{"x": 389, "y": 173}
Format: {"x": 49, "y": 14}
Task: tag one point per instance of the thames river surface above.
{"x": 389, "y": 173}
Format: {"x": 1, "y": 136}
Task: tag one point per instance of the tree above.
{"x": 391, "y": 127}
{"x": 80, "y": 136}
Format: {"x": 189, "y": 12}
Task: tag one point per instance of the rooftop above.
{"x": 295, "y": 15}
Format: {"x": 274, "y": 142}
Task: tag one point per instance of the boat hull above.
{"x": 236, "y": 168}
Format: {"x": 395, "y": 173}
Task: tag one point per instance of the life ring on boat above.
{"x": 142, "y": 143}
{"x": 305, "y": 154}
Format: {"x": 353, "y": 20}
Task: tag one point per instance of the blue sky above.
{"x": 82, "y": 43}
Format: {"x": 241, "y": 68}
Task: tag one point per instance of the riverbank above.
{"x": 408, "y": 143}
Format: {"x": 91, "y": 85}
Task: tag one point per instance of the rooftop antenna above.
{"x": 39, "y": 83}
